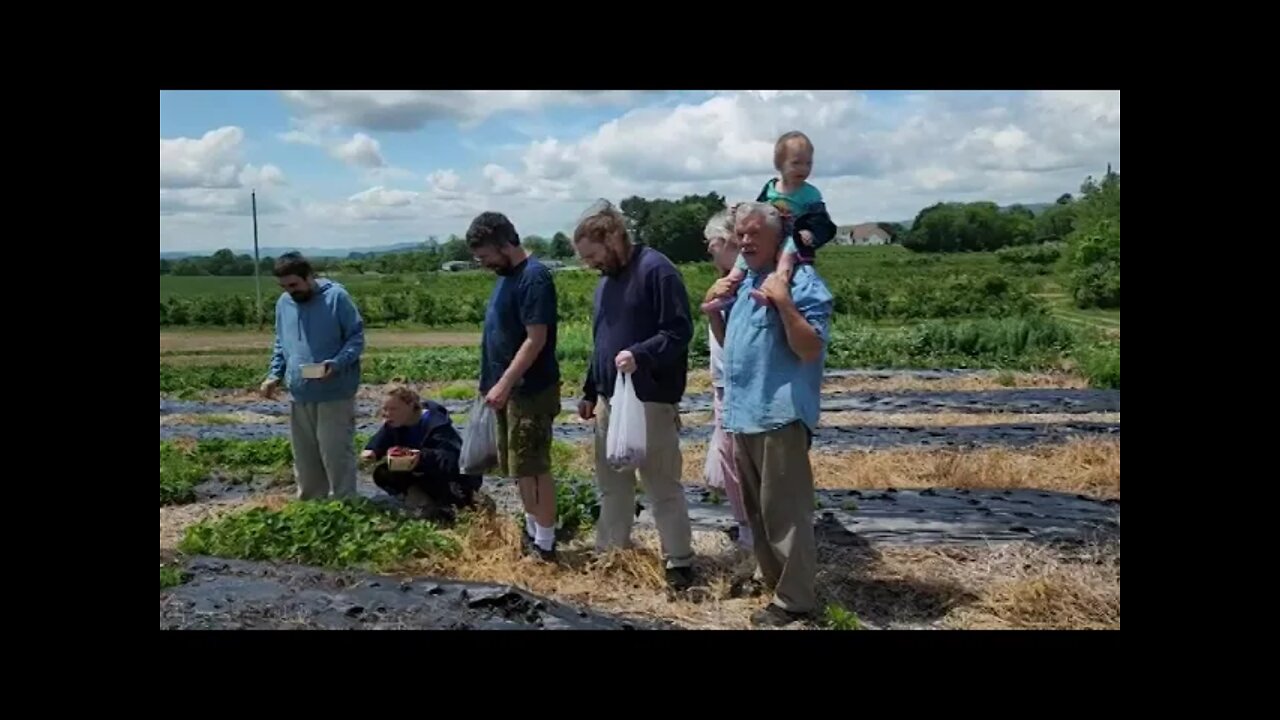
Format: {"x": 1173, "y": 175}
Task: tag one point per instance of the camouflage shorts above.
{"x": 524, "y": 433}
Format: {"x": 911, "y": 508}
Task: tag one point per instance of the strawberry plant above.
{"x": 171, "y": 576}
{"x": 577, "y": 506}
{"x": 329, "y": 534}
{"x": 837, "y": 618}
{"x": 184, "y": 465}
{"x": 179, "y": 475}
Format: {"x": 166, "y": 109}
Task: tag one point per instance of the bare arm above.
{"x": 716, "y": 322}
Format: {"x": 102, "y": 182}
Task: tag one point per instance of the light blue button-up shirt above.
{"x": 767, "y": 386}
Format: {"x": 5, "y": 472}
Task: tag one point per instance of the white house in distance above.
{"x": 864, "y": 234}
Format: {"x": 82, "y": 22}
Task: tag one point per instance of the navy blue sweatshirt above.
{"x": 644, "y": 309}
{"x": 434, "y": 435}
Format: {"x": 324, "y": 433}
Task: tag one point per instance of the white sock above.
{"x": 529, "y": 524}
{"x": 545, "y": 537}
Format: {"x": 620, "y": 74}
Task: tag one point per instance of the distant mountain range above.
{"x": 309, "y": 252}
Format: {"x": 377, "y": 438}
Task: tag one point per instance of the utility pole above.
{"x": 257, "y": 261}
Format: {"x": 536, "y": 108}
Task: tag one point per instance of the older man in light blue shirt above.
{"x": 773, "y": 358}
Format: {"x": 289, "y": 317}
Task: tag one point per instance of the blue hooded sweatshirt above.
{"x": 326, "y": 328}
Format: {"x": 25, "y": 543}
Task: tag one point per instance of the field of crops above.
{"x": 982, "y": 493}
{"x": 869, "y": 283}
{"x": 894, "y": 309}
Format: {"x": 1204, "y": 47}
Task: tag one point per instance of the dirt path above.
{"x": 208, "y": 341}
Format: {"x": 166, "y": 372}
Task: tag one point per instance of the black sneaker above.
{"x": 774, "y": 616}
{"x": 680, "y": 578}
{"x": 438, "y": 514}
{"x": 543, "y": 555}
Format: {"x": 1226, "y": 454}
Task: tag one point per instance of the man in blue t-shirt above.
{"x": 519, "y": 374}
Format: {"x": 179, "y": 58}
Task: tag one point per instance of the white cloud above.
{"x": 444, "y": 181}
{"x": 445, "y": 185}
{"x": 933, "y": 177}
{"x": 878, "y": 158}
{"x": 360, "y": 151}
{"x": 266, "y": 175}
{"x": 301, "y": 137}
{"x": 501, "y": 180}
{"x": 214, "y": 201}
{"x": 208, "y": 175}
{"x": 384, "y": 197}
{"x": 873, "y": 158}
{"x": 387, "y": 175}
{"x": 551, "y": 160}
{"x": 212, "y": 161}
{"x": 404, "y": 110}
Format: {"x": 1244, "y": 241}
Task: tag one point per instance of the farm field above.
{"x": 967, "y": 465}
{"x": 966, "y": 457}
{"x": 968, "y": 468}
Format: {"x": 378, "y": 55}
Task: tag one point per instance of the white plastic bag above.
{"x": 626, "y": 446}
{"x": 480, "y": 441}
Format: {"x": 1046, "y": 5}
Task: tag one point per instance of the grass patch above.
{"x": 837, "y": 618}
{"x": 171, "y": 576}
{"x": 1033, "y": 342}
{"x": 179, "y": 475}
{"x": 1026, "y": 342}
{"x": 577, "y": 507}
{"x": 267, "y": 454}
{"x": 332, "y": 534}
{"x": 570, "y": 461}
{"x": 185, "y": 464}
{"x": 1101, "y": 364}
{"x": 458, "y": 391}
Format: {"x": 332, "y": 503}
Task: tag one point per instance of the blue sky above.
{"x": 342, "y": 169}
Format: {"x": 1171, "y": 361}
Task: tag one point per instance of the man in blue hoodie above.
{"x": 319, "y": 339}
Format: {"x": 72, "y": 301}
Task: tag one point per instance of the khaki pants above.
{"x": 324, "y": 453}
{"x": 777, "y": 488}
{"x": 660, "y": 475}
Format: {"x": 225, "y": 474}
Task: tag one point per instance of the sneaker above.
{"x": 680, "y": 578}
{"x": 533, "y": 550}
{"x": 775, "y": 616}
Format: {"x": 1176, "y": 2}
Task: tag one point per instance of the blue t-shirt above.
{"x": 525, "y": 297}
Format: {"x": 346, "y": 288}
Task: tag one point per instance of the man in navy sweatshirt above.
{"x": 319, "y": 339}
{"x": 642, "y": 327}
